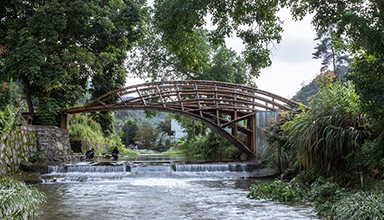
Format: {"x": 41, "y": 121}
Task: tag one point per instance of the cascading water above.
{"x": 157, "y": 190}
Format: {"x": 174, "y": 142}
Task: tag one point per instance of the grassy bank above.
{"x": 330, "y": 201}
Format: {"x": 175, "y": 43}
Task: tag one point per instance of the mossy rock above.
{"x": 28, "y": 178}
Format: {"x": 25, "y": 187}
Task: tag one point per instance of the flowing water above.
{"x": 158, "y": 190}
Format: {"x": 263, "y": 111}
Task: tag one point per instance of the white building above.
{"x": 177, "y": 129}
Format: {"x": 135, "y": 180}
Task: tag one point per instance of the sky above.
{"x": 292, "y": 63}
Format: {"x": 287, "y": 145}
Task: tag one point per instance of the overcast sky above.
{"x": 292, "y": 63}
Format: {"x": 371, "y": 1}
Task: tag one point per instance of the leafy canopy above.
{"x": 55, "y": 47}
{"x": 255, "y": 23}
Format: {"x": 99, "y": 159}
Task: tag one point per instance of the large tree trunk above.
{"x": 27, "y": 89}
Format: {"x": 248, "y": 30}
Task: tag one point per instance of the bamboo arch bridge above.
{"x": 226, "y": 108}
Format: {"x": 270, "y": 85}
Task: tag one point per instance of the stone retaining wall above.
{"x": 32, "y": 142}
{"x": 52, "y": 141}
{"x": 19, "y": 145}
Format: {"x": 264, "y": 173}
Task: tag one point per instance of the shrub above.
{"x": 10, "y": 105}
{"x": 123, "y": 150}
{"x": 212, "y": 145}
{"x": 84, "y": 128}
{"x": 278, "y": 154}
{"x": 278, "y": 191}
{"x": 359, "y": 206}
{"x": 18, "y": 201}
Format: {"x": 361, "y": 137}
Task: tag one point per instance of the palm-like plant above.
{"x": 333, "y": 128}
{"x": 19, "y": 201}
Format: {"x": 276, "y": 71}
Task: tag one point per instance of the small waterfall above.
{"x": 56, "y": 169}
{"x": 97, "y": 169}
{"x": 152, "y": 169}
{"x": 211, "y": 167}
{"x": 90, "y": 168}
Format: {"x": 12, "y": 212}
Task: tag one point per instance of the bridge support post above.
{"x": 63, "y": 120}
{"x": 234, "y": 128}
{"x": 251, "y": 139}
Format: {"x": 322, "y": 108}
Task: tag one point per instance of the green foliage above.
{"x": 213, "y": 145}
{"x": 105, "y": 119}
{"x": 146, "y": 135}
{"x": 332, "y": 51}
{"x": 48, "y": 112}
{"x": 54, "y": 47}
{"x": 324, "y": 194}
{"x": 330, "y": 200}
{"x": 10, "y": 106}
{"x": 330, "y": 131}
{"x": 306, "y": 92}
{"x": 129, "y": 129}
{"x": 18, "y": 201}
{"x": 256, "y": 24}
{"x": 8, "y": 117}
{"x": 368, "y": 161}
{"x": 278, "y": 190}
{"x": 84, "y": 128}
{"x": 360, "y": 23}
{"x": 155, "y": 61}
{"x": 368, "y": 78}
{"x": 175, "y": 152}
{"x": 277, "y": 155}
{"x": 361, "y": 205}
{"x": 192, "y": 127}
{"x": 123, "y": 150}
{"x": 165, "y": 127}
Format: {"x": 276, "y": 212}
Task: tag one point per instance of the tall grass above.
{"x": 359, "y": 206}
{"x": 328, "y": 132}
{"x": 18, "y": 201}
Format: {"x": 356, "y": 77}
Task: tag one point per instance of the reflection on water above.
{"x": 158, "y": 194}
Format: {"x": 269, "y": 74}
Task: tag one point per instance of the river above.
{"x": 154, "y": 190}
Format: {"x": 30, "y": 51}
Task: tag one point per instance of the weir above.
{"x": 106, "y": 171}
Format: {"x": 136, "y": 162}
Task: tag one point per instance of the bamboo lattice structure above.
{"x": 227, "y": 108}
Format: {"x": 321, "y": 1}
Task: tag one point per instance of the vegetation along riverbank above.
{"x": 335, "y": 152}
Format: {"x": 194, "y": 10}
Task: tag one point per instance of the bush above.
{"x": 10, "y": 105}
{"x": 278, "y": 191}
{"x": 278, "y": 154}
{"x": 123, "y": 150}
{"x": 359, "y": 206}
{"x": 213, "y": 145}
{"x": 330, "y": 200}
{"x": 18, "y": 201}
{"x": 323, "y": 194}
{"x": 84, "y": 128}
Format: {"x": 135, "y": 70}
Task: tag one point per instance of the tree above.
{"x": 111, "y": 78}
{"x": 55, "y": 47}
{"x": 360, "y": 23}
{"x": 178, "y": 46}
{"x": 129, "y": 132}
{"x": 226, "y": 66}
{"x": 332, "y": 51}
{"x": 165, "y": 127}
{"x": 255, "y": 23}
{"x": 147, "y": 135}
